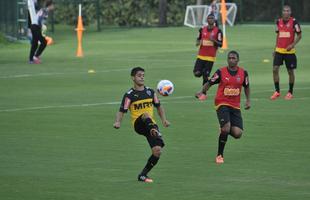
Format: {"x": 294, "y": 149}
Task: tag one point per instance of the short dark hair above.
{"x": 233, "y": 52}
{"x": 211, "y": 15}
{"x": 135, "y": 70}
{"x": 287, "y": 6}
{"x": 48, "y": 3}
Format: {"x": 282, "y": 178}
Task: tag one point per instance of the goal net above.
{"x": 196, "y": 15}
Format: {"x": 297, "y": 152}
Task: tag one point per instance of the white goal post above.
{"x": 196, "y": 15}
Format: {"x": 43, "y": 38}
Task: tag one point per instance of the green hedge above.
{"x": 121, "y": 12}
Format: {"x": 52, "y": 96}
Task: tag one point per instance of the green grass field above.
{"x": 57, "y": 140}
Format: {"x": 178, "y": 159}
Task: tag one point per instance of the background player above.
{"x": 209, "y": 39}
{"x": 140, "y": 101}
{"x": 227, "y": 100}
{"x": 35, "y": 22}
{"x": 286, "y": 29}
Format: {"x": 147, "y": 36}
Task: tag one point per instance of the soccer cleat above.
{"x": 201, "y": 96}
{"x": 219, "y": 159}
{"x": 288, "y": 96}
{"x": 144, "y": 178}
{"x": 36, "y": 60}
{"x": 275, "y": 95}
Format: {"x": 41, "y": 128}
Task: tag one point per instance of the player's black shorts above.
{"x": 229, "y": 114}
{"x": 142, "y": 128}
{"x": 290, "y": 60}
{"x": 204, "y": 67}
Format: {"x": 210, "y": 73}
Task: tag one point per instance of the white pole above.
{"x": 80, "y": 9}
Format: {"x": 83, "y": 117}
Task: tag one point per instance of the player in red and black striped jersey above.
{"x": 209, "y": 39}
{"x": 141, "y": 100}
{"x": 231, "y": 79}
{"x": 286, "y": 28}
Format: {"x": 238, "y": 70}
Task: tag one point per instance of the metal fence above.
{"x": 13, "y": 18}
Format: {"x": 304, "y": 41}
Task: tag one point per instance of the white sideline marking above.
{"x": 58, "y": 73}
{"x": 162, "y": 99}
{"x": 59, "y": 106}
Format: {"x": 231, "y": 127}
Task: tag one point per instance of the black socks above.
{"x": 277, "y": 86}
{"x": 222, "y": 141}
{"x": 291, "y": 86}
{"x": 152, "y": 161}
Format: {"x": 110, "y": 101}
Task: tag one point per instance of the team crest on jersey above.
{"x": 148, "y": 92}
{"x": 238, "y": 79}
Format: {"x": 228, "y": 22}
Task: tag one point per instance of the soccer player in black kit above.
{"x": 35, "y": 25}
{"x": 141, "y": 100}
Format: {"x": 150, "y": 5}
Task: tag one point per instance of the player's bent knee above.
{"x": 225, "y": 129}
{"x": 275, "y": 69}
{"x": 156, "y": 151}
{"x": 237, "y": 135}
{"x": 290, "y": 72}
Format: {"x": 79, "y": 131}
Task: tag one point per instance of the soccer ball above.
{"x": 165, "y": 87}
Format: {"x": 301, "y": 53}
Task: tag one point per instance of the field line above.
{"x": 167, "y": 100}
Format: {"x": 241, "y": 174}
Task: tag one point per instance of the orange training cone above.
{"x": 224, "y": 16}
{"x": 79, "y": 32}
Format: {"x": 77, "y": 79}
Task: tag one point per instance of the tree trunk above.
{"x": 306, "y": 7}
{"x": 199, "y": 12}
{"x": 199, "y": 2}
{"x": 162, "y": 12}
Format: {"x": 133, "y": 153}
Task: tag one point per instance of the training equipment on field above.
{"x": 165, "y": 87}
{"x": 196, "y": 15}
{"x": 79, "y": 32}
{"x": 49, "y": 40}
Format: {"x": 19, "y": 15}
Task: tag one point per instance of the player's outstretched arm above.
{"x": 162, "y": 115}
{"x": 204, "y": 89}
{"x": 247, "y": 95}
{"x": 118, "y": 120}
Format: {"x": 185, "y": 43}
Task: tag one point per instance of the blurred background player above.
{"x": 35, "y": 22}
{"x": 231, "y": 79}
{"x": 209, "y": 39}
{"x": 214, "y": 10}
{"x": 286, "y": 29}
{"x": 140, "y": 100}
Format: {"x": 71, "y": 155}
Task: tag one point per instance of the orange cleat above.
{"x": 288, "y": 96}
{"x": 275, "y": 95}
{"x": 36, "y": 60}
{"x": 201, "y": 96}
{"x": 219, "y": 159}
{"x": 144, "y": 178}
